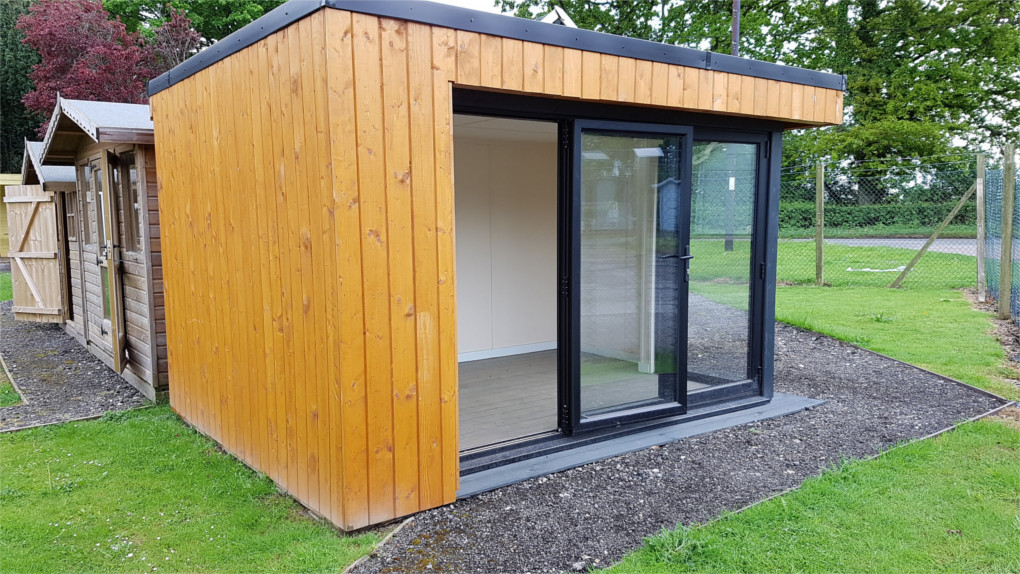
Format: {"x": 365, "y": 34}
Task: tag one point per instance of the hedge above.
{"x": 802, "y": 215}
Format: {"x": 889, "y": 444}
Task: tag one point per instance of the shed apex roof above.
{"x": 45, "y": 173}
{"x": 107, "y": 115}
{"x": 100, "y": 121}
{"x": 502, "y": 25}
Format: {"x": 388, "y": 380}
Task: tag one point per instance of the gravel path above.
{"x": 59, "y": 380}
{"x": 592, "y": 515}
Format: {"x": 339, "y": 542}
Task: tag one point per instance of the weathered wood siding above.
{"x": 307, "y": 197}
{"x": 72, "y": 228}
{"x": 148, "y": 184}
{"x": 145, "y": 334}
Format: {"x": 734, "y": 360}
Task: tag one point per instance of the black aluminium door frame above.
{"x": 764, "y": 235}
{"x": 570, "y": 297}
{"x": 706, "y": 127}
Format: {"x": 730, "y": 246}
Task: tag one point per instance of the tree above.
{"x": 768, "y": 26}
{"x": 83, "y": 55}
{"x": 16, "y": 59}
{"x": 172, "y": 43}
{"x": 212, "y": 19}
{"x": 921, "y": 74}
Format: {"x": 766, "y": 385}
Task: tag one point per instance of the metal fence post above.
{"x": 820, "y": 224}
{"x": 1006, "y": 262}
{"x": 980, "y": 183}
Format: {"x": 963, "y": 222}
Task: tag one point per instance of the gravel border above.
{"x": 58, "y": 379}
{"x": 589, "y": 517}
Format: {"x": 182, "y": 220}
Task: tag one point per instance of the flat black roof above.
{"x": 497, "y": 25}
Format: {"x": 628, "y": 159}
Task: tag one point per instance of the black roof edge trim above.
{"x": 497, "y": 25}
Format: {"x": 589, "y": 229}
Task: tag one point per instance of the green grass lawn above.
{"x": 139, "y": 490}
{"x": 6, "y": 291}
{"x": 942, "y": 505}
{"x": 955, "y": 231}
{"x": 932, "y": 328}
{"x": 8, "y": 396}
{"x": 946, "y": 505}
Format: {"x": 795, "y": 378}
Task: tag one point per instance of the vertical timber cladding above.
{"x": 309, "y": 257}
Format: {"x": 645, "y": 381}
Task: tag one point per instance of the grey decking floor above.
{"x": 506, "y": 398}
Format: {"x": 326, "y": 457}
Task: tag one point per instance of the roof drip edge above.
{"x": 497, "y": 25}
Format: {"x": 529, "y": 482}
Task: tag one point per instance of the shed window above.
{"x": 98, "y": 210}
{"x": 71, "y": 211}
{"x": 88, "y": 220}
{"x": 130, "y": 203}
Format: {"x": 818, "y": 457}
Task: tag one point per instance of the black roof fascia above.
{"x": 497, "y": 25}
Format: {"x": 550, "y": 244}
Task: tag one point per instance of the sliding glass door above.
{"x": 631, "y": 182}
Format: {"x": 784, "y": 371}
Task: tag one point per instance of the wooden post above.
{"x": 820, "y": 224}
{"x": 938, "y": 231}
{"x": 980, "y": 185}
{"x": 1006, "y": 260}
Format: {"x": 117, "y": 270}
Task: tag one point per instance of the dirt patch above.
{"x": 59, "y": 380}
{"x": 1010, "y": 416}
{"x": 590, "y": 516}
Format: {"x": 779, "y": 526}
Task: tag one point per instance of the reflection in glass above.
{"x": 629, "y": 280}
{"x": 722, "y": 216}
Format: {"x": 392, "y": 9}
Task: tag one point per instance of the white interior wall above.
{"x": 505, "y": 202}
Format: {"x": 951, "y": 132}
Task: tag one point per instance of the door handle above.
{"x": 685, "y": 257}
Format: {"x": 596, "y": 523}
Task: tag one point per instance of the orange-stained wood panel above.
{"x": 309, "y": 240}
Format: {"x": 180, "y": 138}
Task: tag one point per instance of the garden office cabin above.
{"x": 105, "y": 234}
{"x": 345, "y": 318}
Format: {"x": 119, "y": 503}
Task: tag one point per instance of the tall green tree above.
{"x": 924, "y": 77}
{"x": 213, "y": 19}
{"x": 767, "y": 30}
{"x": 16, "y": 60}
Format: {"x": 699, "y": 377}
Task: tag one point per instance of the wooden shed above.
{"x": 345, "y": 318}
{"x": 94, "y": 223}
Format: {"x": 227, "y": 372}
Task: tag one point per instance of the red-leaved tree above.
{"x": 83, "y": 55}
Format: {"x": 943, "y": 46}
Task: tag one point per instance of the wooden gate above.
{"x": 35, "y": 268}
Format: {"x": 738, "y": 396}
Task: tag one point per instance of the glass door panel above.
{"x": 630, "y": 282}
{"x": 722, "y": 217}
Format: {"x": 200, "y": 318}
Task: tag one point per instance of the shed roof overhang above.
{"x": 100, "y": 122}
{"x": 496, "y": 25}
{"x": 33, "y": 172}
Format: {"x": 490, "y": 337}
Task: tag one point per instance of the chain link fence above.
{"x": 875, "y": 222}
{"x": 996, "y": 222}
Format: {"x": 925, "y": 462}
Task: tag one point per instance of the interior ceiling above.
{"x": 486, "y": 127}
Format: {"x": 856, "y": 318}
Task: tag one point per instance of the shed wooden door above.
{"x": 35, "y": 268}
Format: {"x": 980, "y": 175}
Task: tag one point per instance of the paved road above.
{"x": 958, "y": 246}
